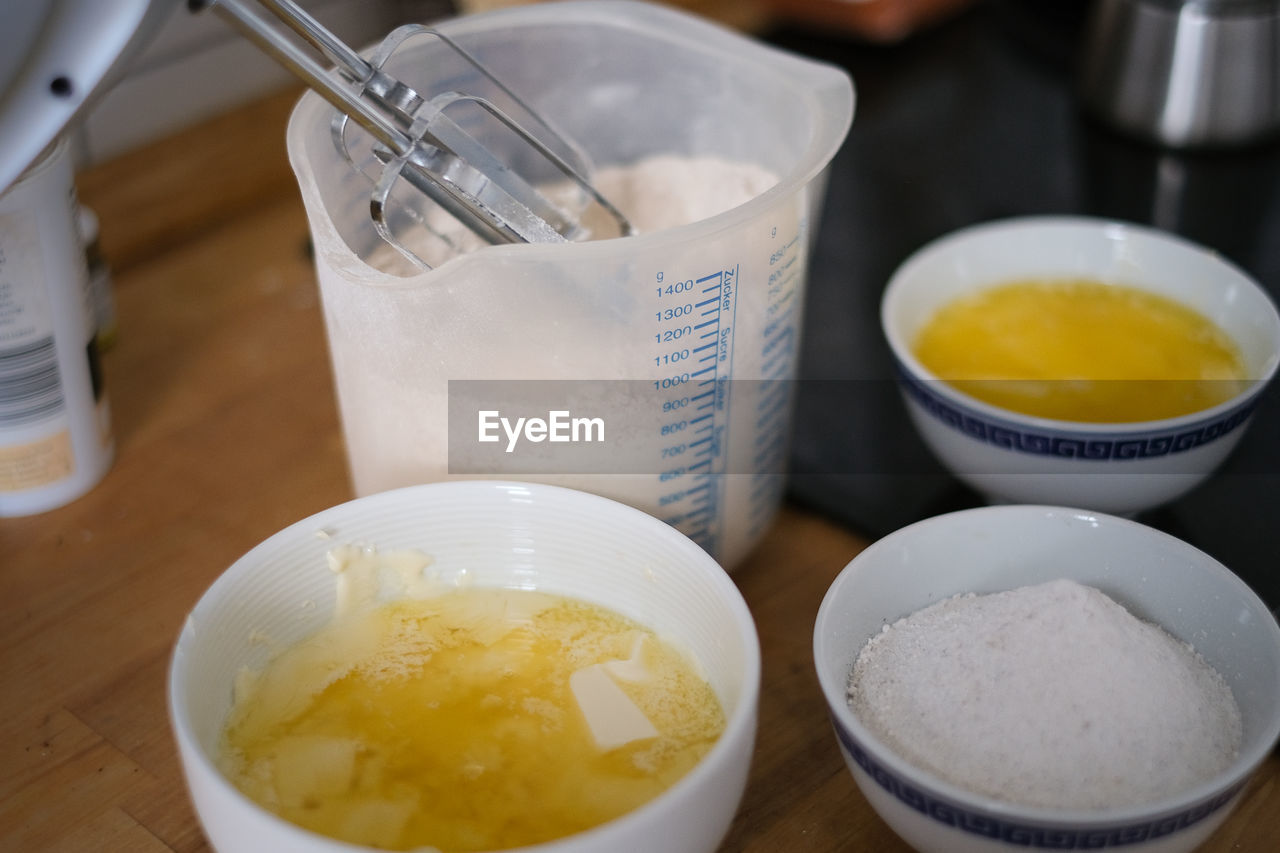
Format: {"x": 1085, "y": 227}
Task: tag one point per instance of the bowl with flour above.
{"x": 1047, "y": 677}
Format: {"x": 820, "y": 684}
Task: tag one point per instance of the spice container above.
{"x": 55, "y": 434}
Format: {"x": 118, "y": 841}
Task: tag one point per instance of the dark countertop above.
{"x": 971, "y": 121}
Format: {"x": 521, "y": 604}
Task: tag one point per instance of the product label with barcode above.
{"x": 34, "y": 444}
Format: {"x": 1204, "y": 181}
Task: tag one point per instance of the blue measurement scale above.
{"x": 695, "y": 332}
{"x": 696, "y": 328}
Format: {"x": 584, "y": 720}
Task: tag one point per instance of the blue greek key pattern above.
{"x": 1050, "y": 443}
{"x": 1048, "y": 838}
{"x": 1030, "y": 835}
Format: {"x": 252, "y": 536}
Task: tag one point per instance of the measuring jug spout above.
{"x": 655, "y": 369}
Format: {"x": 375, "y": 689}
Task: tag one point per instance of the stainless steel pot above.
{"x": 1184, "y": 73}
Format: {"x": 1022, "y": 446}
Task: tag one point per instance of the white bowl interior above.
{"x": 1157, "y": 577}
{"x": 482, "y": 533}
{"x": 1068, "y": 247}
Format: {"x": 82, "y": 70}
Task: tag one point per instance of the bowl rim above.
{"x": 740, "y": 725}
{"x": 1217, "y": 790}
{"x": 911, "y": 370}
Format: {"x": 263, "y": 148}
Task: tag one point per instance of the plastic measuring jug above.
{"x": 681, "y": 343}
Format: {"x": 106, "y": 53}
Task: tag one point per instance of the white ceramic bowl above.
{"x": 1120, "y": 468}
{"x": 482, "y": 533}
{"x": 1157, "y": 577}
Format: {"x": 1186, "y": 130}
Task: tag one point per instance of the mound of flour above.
{"x": 1050, "y": 695}
{"x": 654, "y": 194}
{"x": 666, "y": 191}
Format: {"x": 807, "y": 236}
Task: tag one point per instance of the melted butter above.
{"x": 1082, "y": 350}
{"x": 447, "y": 720}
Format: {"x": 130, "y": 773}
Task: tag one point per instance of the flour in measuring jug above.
{"x": 654, "y": 194}
{"x": 508, "y": 315}
{"x": 663, "y": 192}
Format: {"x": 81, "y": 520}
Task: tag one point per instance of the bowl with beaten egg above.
{"x": 468, "y": 666}
{"x": 1078, "y": 361}
{"x": 1037, "y": 677}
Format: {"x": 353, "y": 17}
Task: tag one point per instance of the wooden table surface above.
{"x": 227, "y": 431}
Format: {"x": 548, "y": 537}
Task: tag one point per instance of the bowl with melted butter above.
{"x": 1078, "y": 361}
{"x": 468, "y": 666}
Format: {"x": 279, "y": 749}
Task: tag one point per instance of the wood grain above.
{"x": 226, "y": 432}
{"x": 149, "y": 200}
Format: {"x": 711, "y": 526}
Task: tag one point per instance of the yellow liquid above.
{"x": 449, "y": 722}
{"x": 1082, "y": 351}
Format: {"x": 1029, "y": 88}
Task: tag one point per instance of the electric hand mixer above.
{"x": 411, "y": 138}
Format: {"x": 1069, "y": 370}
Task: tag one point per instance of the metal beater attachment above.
{"x": 428, "y": 143}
